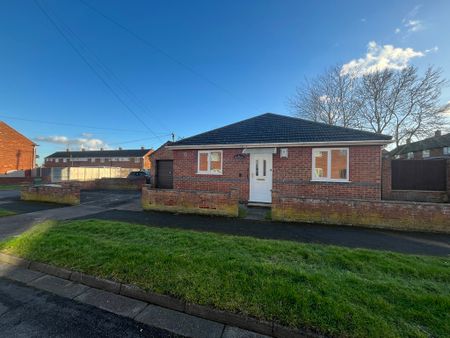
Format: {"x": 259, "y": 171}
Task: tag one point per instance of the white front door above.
{"x": 261, "y": 178}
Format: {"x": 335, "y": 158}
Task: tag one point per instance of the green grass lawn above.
{"x": 336, "y": 291}
{"x": 4, "y": 212}
{"x": 10, "y": 187}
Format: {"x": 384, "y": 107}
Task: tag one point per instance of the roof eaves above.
{"x": 279, "y": 144}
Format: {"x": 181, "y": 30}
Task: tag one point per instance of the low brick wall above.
{"x": 63, "y": 194}
{"x": 111, "y": 184}
{"x": 418, "y": 196}
{"x": 191, "y": 201}
{"x": 15, "y": 180}
{"x": 399, "y": 215}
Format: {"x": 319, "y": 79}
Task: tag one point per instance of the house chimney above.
{"x": 101, "y": 149}
{"x": 437, "y": 133}
{"x": 82, "y": 149}
{"x": 120, "y": 148}
{"x": 142, "y": 148}
{"x": 408, "y": 140}
{"x": 67, "y": 150}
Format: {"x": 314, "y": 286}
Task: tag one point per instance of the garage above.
{"x": 164, "y": 174}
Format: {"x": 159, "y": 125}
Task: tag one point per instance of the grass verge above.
{"x": 336, "y": 291}
{"x": 4, "y": 212}
{"x": 10, "y": 187}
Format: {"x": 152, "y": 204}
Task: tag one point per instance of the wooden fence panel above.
{"x": 428, "y": 175}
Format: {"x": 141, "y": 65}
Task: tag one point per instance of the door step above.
{"x": 257, "y": 211}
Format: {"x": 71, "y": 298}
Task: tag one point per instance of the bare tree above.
{"x": 374, "y": 94}
{"x": 329, "y": 98}
{"x": 401, "y": 103}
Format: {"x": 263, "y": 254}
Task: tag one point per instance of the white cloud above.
{"x": 434, "y": 50}
{"x": 363, "y": 20}
{"x": 397, "y": 30}
{"x": 86, "y": 142}
{"x": 414, "y": 25}
{"x": 446, "y": 109}
{"x": 379, "y": 58}
{"x": 410, "y": 22}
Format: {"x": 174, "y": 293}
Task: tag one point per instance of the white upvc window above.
{"x": 209, "y": 162}
{"x": 330, "y": 164}
{"x": 410, "y": 155}
{"x": 446, "y": 150}
{"x": 425, "y": 153}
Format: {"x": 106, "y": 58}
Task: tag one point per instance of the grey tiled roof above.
{"x": 273, "y": 128}
{"x": 101, "y": 153}
{"x": 428, "y": 143}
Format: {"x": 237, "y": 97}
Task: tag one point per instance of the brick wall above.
{"x": 291, "y": 176}
{"x": 417, "y": 155}
{"x": 15, "y": 180}
{"x": 412, "y": 216}
{"x": 235, "y": 170}
{"x": 191, "y": 201}
{"x": 16, "y": 151}
{"x": 111, "y": 184}
{"x": 63, "y": 194}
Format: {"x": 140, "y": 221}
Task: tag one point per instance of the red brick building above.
{"x": 437, "y": 146}
{"x": 16, "y": 151}
{"x": 122, "y": 158}
{"x": 295, "y": 157}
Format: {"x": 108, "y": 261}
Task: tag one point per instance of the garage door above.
{"x": 164, "y": 174}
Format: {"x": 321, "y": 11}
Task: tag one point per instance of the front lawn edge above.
{"x": 132, "y": 291}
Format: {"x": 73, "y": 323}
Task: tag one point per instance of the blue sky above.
{"x": 222, "y": 61}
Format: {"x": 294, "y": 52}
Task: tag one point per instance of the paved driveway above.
{"x": 9, "y": 195}
{"x": 353, "y": 237}
{"x": 28, "y": 312}
{"x": 92, "y": 202}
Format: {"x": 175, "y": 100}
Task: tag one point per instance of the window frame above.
{"x": 209, "y": 172}
{"x": 446, "y": 150}
{"x": 426, "y": 151}
{"x": 410, "y": 155}
{"x": 328, "y": 177}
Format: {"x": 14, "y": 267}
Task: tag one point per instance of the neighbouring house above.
{"x": 269, "y": 152}
{"x": 17, "y": 153}
{"x": 434, "y": 147}
{"x": 122, "y": 158}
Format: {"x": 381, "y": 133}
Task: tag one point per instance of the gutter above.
{"x": 281, "y": 144}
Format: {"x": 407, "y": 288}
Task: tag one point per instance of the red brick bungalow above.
{"x": 295, "y": 157}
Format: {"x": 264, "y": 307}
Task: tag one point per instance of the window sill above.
{"x": 330, "y": 181}
{"x": 208, "y": 173}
